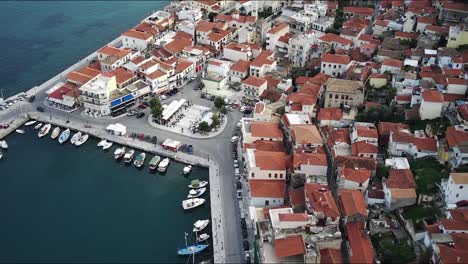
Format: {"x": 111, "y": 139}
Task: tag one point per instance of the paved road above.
{"x": 218, "y": 149}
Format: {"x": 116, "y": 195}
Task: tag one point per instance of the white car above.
{"x": 236, "y": 172}
{"x": 234, "y": 139}
{"x": 239, "y": 194}
{"x": 163, "y": 97}
{"x": 239, "y": 124}
{"x": 236, "y": 164}
{"x": 193, "y": 78}
{"x": 242, "y": 109}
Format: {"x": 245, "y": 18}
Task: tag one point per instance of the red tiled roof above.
{"x": 290, "y": 246}
{"x": 306, "y": 134}
{"x": 268, "y": 160}
{"x": 385, "y": 128}
{"x": 254, "y": 81}
{"x": 330, "y": 256}
{"x": 321, "y": 200}
{"x": 309, "y": 159}
{"x": 356, "y": 162}
{"x": 408, "y": 35}
{"x": 266, "y": 130}
{"x": 456, "y": 137}
{"x": 267, "y": 188}
{"x": 364, "y": 131}
{"x": 113, "y": 51}
{"x": 359, "y": 243}
{"x": 147, "y": 27}
{"x": 432, "y": 96}
{"x": 263, "y": 145}
{"x": 426, "y": 20}
{"x": 298, "y": 217}
{"x": 463, "y": 111}
{"x": 297, "y": 197}
{"x": 137, "y": 34}
{"x": 330, "y": 37}
{"x": 122, "y": 75}
{"x": 352, "y": 202}
{"x": 362, "y": 147}
{"x": 278, "y": 28}
{"x": 400, "y": 179}
{"x": 335, "y": 58}
{"x": 241, "y": 66}
{"x": 359, "y": 10}
{"x": 392, "y": 63}
{"x": 426, "y": 144}
{"x": 458, "y": 81}
{"x": 360, "y": 176}
{"x": 330, "y": 114}
{"x": 177, "y": 45}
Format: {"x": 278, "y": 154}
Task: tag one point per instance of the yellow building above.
{"x": 378, "y": 80}
{"x": 457, "y": 36}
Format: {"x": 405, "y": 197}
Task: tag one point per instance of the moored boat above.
{"x": 38, "y": 126}
{"x": 191, "y": 249}
{"x": 3, "y": 144}
{"x": 153, "y": 164}
{"x": 30, "y": 123}
{"x": 203, "y": 237}
{"x": 101, "y": 143}
{"x": 195, "y": 184}
{"x": 192, "y": 203}
{"x": 64, "y": 136}
{"x": 20, "y": 131}
{"x": 194, "y": 193}
{"x": 200, "y": 225}
{"x": 140, "y": 160}
{"x": 107, "y": 145}
{"x": 55, "y": 133}
{"x": 82, "y": 140}
{"x": 128, "y": 157}
{"x": 162, "y": 167}
{"x": 75, "y": 137}
{"x": 44, "y": 130}
{"x": 1, "y": 155}
{"x": 118, "y": 153}
{"x": 187, "y": 169}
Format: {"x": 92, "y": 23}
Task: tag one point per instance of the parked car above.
{"x": 246, "y": 245}
{"x": 234, "y": 139}
{"x": 242, "y": 109}
{"x": 31, "y": 99}
{"x": 190, "y": 149}
{"x": 236, "y": 172}
{"x": 238, "y": 185}
{"x": 202, "y": 95}
{"x": 244, "y": 233}
{"x": 212, "y": 98}
{"x": 40, "y": 109}
{"x": 131, "y": 113}
{"x": 193, "y": 78}
{"x": 140, "y": 115}
{"x": 236, "y": 164}
{"x": 239, "y": 194}
{"x": 163, "y": 97}
{"x": 142, "y": 106}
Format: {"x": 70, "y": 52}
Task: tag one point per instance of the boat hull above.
{"x": 192, "y": 249}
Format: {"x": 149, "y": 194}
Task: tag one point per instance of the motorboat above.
{"x": 192, "y": 203}
{"x": 194, "y": 193}
{"x": 38, "y": 126}
{"x": 82, "y": 140}
{"x": 195, "y": 184}
{"x": 30, "y": 123}
{"x": 128, "y": 157}
{"x": 162, "y": 167}
{"x": 20, "y": 131}
{"x": 153, "y": 164}
{"x": 118, "y": 153}
{"x": 107, "y": 145}
{"x": 191, "y": 249}
{"x": 64, "y": 136}
{"x": 140, "y": 160}
{"x": 101, "y": 143}
{"x": 44, "y": 130}
{"x": 200, "y": 225}
{"x": 3, "y": 144}
{"x": 187, "y": 169}
{"x": 55, "y": 133}
{"x": 203, "y": 237}
{"x": 75, "y": 137}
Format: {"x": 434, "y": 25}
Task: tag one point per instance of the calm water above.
{"x": 61, "y": 203}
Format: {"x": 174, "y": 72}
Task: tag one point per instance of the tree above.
{"x": 395, "y": 252}
{"x": 219, "y": 102}
{"x": 156, "y": 108}
{"x": 203, "y": 126}
{"x": 223, "y": 110}
{"x": 216, "y": 120}
{"x": 211, "y": 16}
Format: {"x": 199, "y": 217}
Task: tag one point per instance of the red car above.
{"x": 4, "y": 126}
{"x": 142, "y": 106}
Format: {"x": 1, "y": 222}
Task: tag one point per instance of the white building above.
{"x": 111, "y": 58}
{"x": 431, "y": 104}
{"x": 235, "y": 52}
{"x": 95, "y": 94}
{"x": 255, "y": 130}
{"x": 138, "y": 40}
{"x": 303, "y": 47}
{"x": 455, "y": 187}
{"x": 273, "y": 35}
{"x": 266, "y": 165}
{"x": 456, "y": 86}
{"x": 392, "y": 66}
{"x": 253, "y": 87}
{"x": 186, "y": 26}
{"x": 190, "y": 14}
{"x": 267, "y": 193}
{"x": 368, "y": 134}
{"x": 334, "y": 64}
{"x": 313, "y": 165}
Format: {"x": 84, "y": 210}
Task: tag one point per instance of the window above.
{"x": 281, "y": 175}
{"x": 253, "y": 175}
{"x": 461, "y": 187}
{"x": 457, "y": 195}
{"x": 267, "y": 203}
{"x": 330, "y": 96}
{"x": 334, "y": 66}
{"x": 269, "y": 175}
{"x": 276, "y": 176}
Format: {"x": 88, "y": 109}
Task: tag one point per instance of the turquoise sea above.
{"x": 67, "y": 204}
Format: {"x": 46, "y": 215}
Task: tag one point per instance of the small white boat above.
{"x": 64, "y": 136}
{"x": 203, "y": 237}
{"x": 187, "y": 169}
{"x": 195, "y": 184}
{"x": 20, "y": 131}
{"x": 55, "y": 133}
{"x": 200, "y": 225}
{"x": 101, "y": 143}
{"x": 3, "y": 144}
{"x": 118, "y": 153}
{"x": 162, "y": 167}
{"x": 128, "y": 157}
{"x": 192, "y": 203}
{"x": 75, "y": 137}
{"x": 107, "y": 145}
{"x": 153, "y": 164}
{"x": 194, "y": 193}
{"x": 44, "y": 130}
{"x": 1, "y": 155}
{"x": 82, "y": 140}
{"x": 30, "y": 123}
{"x": 38, "y": 126}
{"x": 140, "y": 160}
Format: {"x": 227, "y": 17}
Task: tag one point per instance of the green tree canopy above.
{"x": 216, "y": 120}
{"x": 219, "y": 102}
{"x": 156, "y": 107}
{"x": 203, "y": 126}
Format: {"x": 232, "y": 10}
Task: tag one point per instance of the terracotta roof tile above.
{"x": 290, "y": 246}
{"x": 330, "y": 37}
{"x": 392, "y": 63}
{"x": 266, "y": 130}
{"x": 321, "y": 200}
{"x": 330, "y": 256}
{"x": 263, "y": 145}
{"x": 335, "y": 58}
{"x": 268, "y": 160}
{"x": 362, "y": 147}
{"x": 359, "y": 243}
{"x": 137, "y": 34}
{"x": 330, "y": 114}
{"x": 359, "y": 10}
{"x": 456, "y": 137}
{"x": 352, "y": 202}
{"x": 385, "y": 128}
{"x": 364, "y": 131}
{"x": 433, "y": 96}
{"x": 306, "y": 134}
{"x": 297, "y": 197}
{"x": 356, "y": 162}
{"x": 267, "y": 188}
{"x": 254, "y": 81}
{"x": 360, "y": 176}
{"x": 400, "y": 179}
{"x": 297, "y": 217}
{"x": 241, "y": 66}
{"x": 278, "y": 28}
{"x": 309, "y": 159}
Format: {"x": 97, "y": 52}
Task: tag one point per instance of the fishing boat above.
{"x": 203, "y": 237}
{"x": 81, "y": 140}
{"x": 3, "y": 144}
{"x": 195, "y": 184}
{"x": 153, "y": 164}
{"x": 30, "y": 123}
{"x": 140, "y": 160}
{"x": 200, "y": 225}
{"x": 44, "y": 130}
{"x": 55, "y": 133}
{"x": 118, "y": 153}
{"x": 75, "y": 137}
{"x": 191, "y": 249}
{"x": 101, "y": 143}
{"x": 38, "y": 126}
{"x": 64, "y": 136}
{"x": 20, "y": 131}
{"x": 192, "y": 203}
{"x": 187, "y": 169}
{"x": 194, "y": 193}
{"x": 162, "y": 167}
{"x": 107, "y": 145}
{"x": 128, "y": 157}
